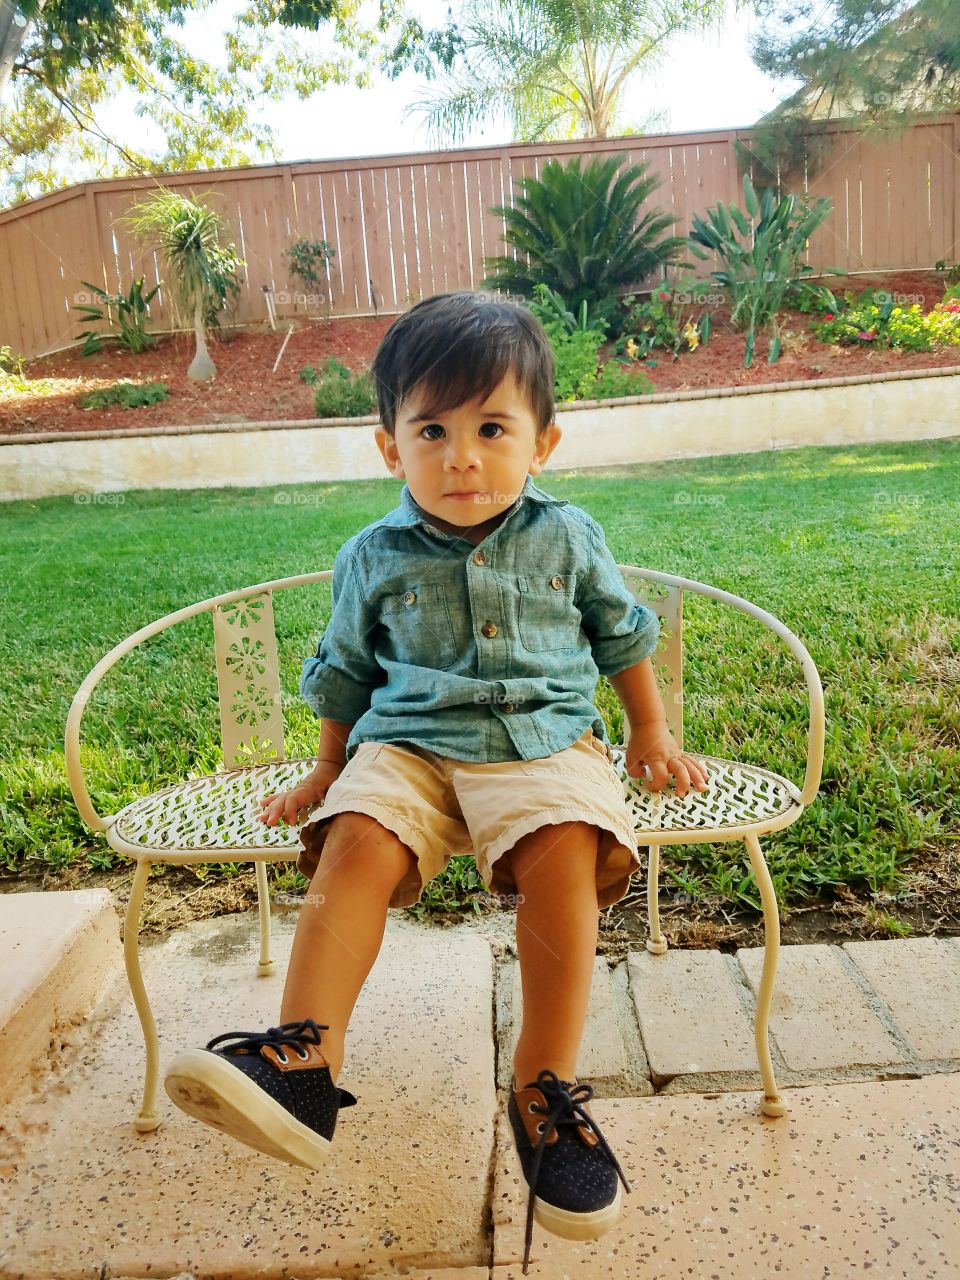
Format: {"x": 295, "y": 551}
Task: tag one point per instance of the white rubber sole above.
{"x": 577, "y": 1226}
{"x": 210, "y": 1089}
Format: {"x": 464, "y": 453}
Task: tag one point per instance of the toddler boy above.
{"x": 455, "y": 683}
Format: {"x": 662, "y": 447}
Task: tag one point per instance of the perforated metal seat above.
{"x": 214, "y": 818}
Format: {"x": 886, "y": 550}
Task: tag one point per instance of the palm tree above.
{"x": 203, "y": 269}
{"x": 555, "y": 68}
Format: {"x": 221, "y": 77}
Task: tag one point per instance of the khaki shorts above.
{"x": 442, "y": 808}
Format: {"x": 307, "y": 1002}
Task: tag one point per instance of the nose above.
{"x": 460, "y": 456}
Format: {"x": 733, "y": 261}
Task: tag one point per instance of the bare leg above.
{"x": 341, "y": 925}
{"x": 557, "y": 925}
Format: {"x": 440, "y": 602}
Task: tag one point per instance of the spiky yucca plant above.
{"x": 202, "y": 269}
{"x": 581, "y": 230}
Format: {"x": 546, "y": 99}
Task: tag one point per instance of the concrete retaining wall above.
{"x": 914, "y": 405}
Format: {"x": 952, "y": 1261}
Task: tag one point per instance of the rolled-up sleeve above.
{"x": 621, "y": 632}
{"x": 339, "y": 681}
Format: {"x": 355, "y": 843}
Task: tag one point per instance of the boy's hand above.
{"x": 287, "y": 804}
{"x": 652, "y": 744}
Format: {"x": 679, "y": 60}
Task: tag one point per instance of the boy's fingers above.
{"x": 682, "y": 776}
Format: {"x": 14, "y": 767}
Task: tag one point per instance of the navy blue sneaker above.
{"x": 272, "y": 1090}
{"x": 570, "y": 1170}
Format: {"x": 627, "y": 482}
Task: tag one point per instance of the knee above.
{"x": 561, "y": 853}
{"x": 358, "y": 844}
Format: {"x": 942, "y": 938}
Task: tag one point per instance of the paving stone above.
{"x": 855, "y": 1179}
{"x": 918, "y": 979}
{"x": 819, "y": 1016}
{"x": 407, "y": 1184}
{"x": 602, "y": 1054}
{"x": 691, "y": 1014}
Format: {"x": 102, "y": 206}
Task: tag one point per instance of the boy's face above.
{"x": 484, "y": 449}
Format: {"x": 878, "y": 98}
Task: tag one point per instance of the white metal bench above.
{"x": 214, "y": 819}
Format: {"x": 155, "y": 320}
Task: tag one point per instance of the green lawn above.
{"x": 854, "y": 549}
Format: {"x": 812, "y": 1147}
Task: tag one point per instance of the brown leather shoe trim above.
{"x": 532, "y": 1118}
{"x": 294, "y": 1062}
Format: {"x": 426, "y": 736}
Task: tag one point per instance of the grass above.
{"x": 853, "y": 548}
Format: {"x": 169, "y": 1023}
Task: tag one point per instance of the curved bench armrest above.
{"x": 78, "y": 786}
{"x": 817, "y": 721}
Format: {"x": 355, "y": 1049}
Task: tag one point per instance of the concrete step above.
{"x": 407, "y": 1186}
{"x": 59, "y": 952}
{"x": 856, "y": 1178}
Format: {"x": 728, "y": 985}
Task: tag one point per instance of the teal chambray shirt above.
{"x": 483, "y": 652}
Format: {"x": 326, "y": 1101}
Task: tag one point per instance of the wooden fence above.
{"x": 406, "y": 226}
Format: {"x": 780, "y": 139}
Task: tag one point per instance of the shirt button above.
{"x": 479, "y": 558}
{"x": 556, "y": 582}
{"x": 489, "y": 629}
{"x": 410, "y": 597}
{"x": 508, "y": 706}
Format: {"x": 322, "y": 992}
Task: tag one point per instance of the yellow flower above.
{"x": 632, "y": 349}
{"x": 691, "y": 335}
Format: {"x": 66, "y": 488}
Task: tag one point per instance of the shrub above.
{"x": 873, "y": 321}
{"x": 305, "y": 257}
{"x": 580, "y": 231}
{"x": 132, "y": 309}
{"x": 126, "y": 395}
{"x": 663, "y": 321}
{"x": 576, "y": 358}
{"x": 10, "y": 363}
{"x": 617, "y": 379}
{"x": 550, "y": 308}
{"x": 759, "y": 268}
{"x": 338, "y": 393}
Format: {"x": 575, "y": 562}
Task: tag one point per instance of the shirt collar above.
{"x": 409, "y": 513}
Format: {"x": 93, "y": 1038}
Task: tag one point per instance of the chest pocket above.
{"x": 548, "y": 618}
{"x": 418, "y": 623}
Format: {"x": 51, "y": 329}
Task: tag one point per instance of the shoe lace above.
{"x": 564, "y": 1107}
{"x": 292, "y": 1033}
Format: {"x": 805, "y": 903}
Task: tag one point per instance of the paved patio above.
{"x": 860, "y": 1175}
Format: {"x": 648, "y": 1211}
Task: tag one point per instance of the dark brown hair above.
{"x": 459, "y": 346}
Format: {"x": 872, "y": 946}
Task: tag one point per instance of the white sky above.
{"x": 704, "y": 82}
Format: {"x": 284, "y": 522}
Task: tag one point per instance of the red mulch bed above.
{"x": 247, "y": 390}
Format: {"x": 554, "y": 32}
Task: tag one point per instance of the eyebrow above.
{"x": 489, "y": 413}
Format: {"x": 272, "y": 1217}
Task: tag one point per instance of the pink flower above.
{"x": 867, "y": 336}
{"x": 663, "y": 295}
{"x": 828, "y": 316}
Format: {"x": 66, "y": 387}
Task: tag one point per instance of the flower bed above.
{"x": 247, "y": 390}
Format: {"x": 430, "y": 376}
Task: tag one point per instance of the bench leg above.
{"x": 772, "y": 1103}
{"x": 149, "y": 1117}
{"x": 266, "y": 965}
{"x": 656, "y": 944}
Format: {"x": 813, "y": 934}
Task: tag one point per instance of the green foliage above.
{"x": 761, "y": 252}
{"x": 664, "y": 320}
{"x": 805, "y": 296}
{"x": 11, "y": 363}
{"x": 306, "y": 256}
{"x": 125, "y": 395}
{"x": 576, "y": 360}
{"x": 580, "y": 229}
{"x": 202, "y": 268}
{"x": 952, "y": 272}
{"x": 874, "y": 320}
{"x": 338, "y": 392}
{"x": 133, "y": 310}
{"x": 618, "y": 378}
{"x": 549, "y": 308}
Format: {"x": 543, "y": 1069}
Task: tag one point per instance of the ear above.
{"x": 388, "y": 448}
{"x": 547, "y": 441}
